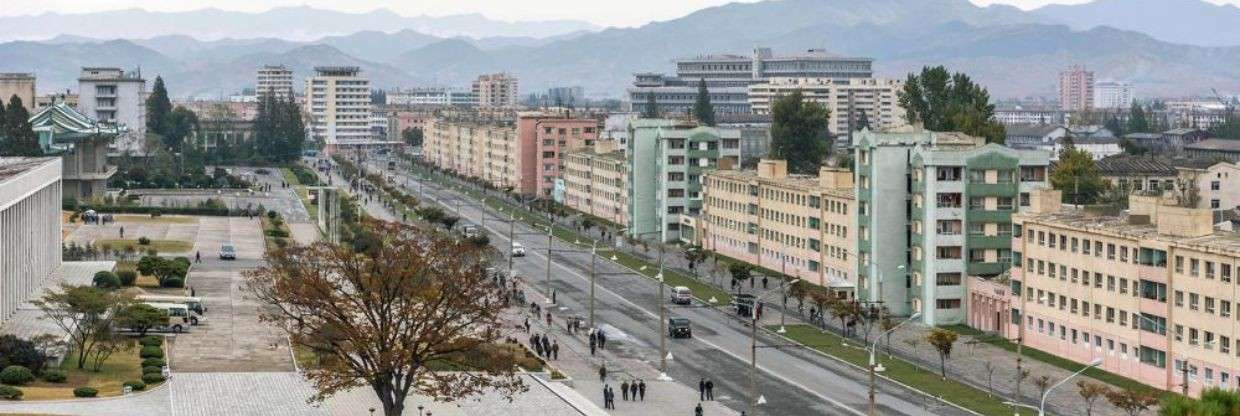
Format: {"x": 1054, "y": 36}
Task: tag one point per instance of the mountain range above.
{"x": 1013, "y": 52}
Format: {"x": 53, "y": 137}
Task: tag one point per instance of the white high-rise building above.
{"x": 1112, "y": 94}
{"x": 338, "y": 101}
{"x": 116, "y": 96}
{"x": 276, "y": 80}
{"x": 499, "y": 90}
{"x": 867, "y": 100}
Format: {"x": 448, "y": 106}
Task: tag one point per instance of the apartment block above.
{"x": 932, "y": 208}
{"x": 338, "y": 102}
{"x": 1151, "y": 291}
{"x": 496, "y": 91}
{"x": 21, "y": 85}
{"x": 801, "y": 225}
{"x": 666, "y": 160}
{"x": 115, "y": 96}
{"x": 275, "y": 81}
{"x": 1076, "y": 89}
{"x": 852, "y": 102}
{"x": 543, "y": 140}
{"x": 596, "y": 181}
{"x": 474, "y": 148}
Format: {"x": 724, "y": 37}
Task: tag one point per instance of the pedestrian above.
{"x": 527, "y": 325}
{"x": 697, "y": 411}
{"x": 198, "y": 256}
{"x": 641, "y": 388}
{"x": 538, "y": 347}
{"x": 192, "y": 292}
{"x": 701, "y": 388}
{"x": 602, "y": 373}
{"x": 602, "y": 340}
{"x": 555, "y": 350}
{"x": 593, "y": 344}
{"x": 606, "y": 397}
{"x": 548, "y": 318}
{"x": 633, "y": 390}
{"x": 764, "y": 282}
{"x": 122, "y": 231}
{"x": 624, "y": 390}
{"x": 553, "y": 296}
{"x": 710, "y": 390}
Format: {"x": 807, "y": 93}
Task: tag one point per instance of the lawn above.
{"x": 928, "y": 381}
{"x": 1055, "y": 360}
{"x": 122, "y": 366}
{"x": 162, "y": 246}
{"x": 289, "y": 176}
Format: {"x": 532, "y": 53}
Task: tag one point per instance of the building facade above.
{"x": 543, "y": 139}
{"x": 21, "y": 85}
{"x": 275, "y": 81}
{"x": 112, "y": 95}
{"x": 1076, "y": 89}
{"x": 82, "y": 143}
{"x": 1151, "y": 292}
{"x": 1217, "y": 183}
{"x": 1115, "y": 95}
{"x": 728, "y": 78}
{"x": 338, "y": 102}
{"x": 932, "y": 208}
{"x": 666, "y": 160}
{"x": 852, "y": 102}
{"x": 800, "y": 225}
{"x": 1222, "y": 149}
{"x": 30, "y": 197}
{"x": 596, "y": 181}
{"x": 496, "y": 91}
{"x": 474, "y": 148}
{"x": 431, "y": 97}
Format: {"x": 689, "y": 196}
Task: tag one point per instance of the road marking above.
{"x": 653, "y": 315}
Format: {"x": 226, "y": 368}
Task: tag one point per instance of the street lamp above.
{"x": 875, "y": 367}
{"x": 754, "y": 399}
{"x": 658, "y": 277}
{"x": 1042, "y": 405}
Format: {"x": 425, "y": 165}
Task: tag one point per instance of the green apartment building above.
{"x": 666, "y": 159}
{"x": 934, "y": 208}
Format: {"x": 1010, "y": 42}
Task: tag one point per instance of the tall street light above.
{"x": 754, "y": 399}
{"x": 874, "y": 366}
{"x": 658, "y": 277}
{"x": 1042, "y": 405}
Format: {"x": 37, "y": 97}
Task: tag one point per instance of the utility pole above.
{"x": 512, "y": 219}
{"x": 662, "y": 319}
{"x": 593, "y": 257}
{"x": 549, "y": 290}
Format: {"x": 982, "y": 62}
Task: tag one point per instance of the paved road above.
{"x": 793, "y": 381}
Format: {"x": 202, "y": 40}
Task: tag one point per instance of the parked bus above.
{"x": 180, "y": 318}
{"x": 194, "y": 303}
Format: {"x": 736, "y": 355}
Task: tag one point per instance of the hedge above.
{"x": 136, "y": 385}
{"x": 85, "y": 392}
{"x": 10, "y": 393}
{"x": 55, "y": 376}
{"x": 151, "y": 340}
{"x": 151, "y": 352}
{"x": 153, "y": 362}
{"x": 143, "y": 209}
{"x": 16, "y": 375}
{"x": 152, "y": 378}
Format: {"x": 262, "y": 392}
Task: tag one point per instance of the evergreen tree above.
{"x": 279, "y": 132}
{"x": 1114, "y": 126}
{"x": 703, "y": 111}
{"x": 181, "y": 124}
{"x": 158, "y": 109}
{"x": 799, "y": 133}
{"x": 863, "y": 121}
{"x": 652, "y": 108}
{"x": 18, "y": 134}
{"x": 1137, "y": 122}
{"x": 1229, "y": 128}
{"x": 1077, "y": 176}
{"x": 942, "y": 101}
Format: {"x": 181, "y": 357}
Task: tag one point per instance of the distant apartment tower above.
{"x": 275, "y": 80}
{"x": 497, "y": 90}
{"x": 19, "y": 84}
{"x": 431, "y": 97}
{"x": 1112, "y": 95}
{"x": 1076, "y": 89}
{"x": 851, "y": 101}
{"x": 932, "y": 208}
{"x": 112, "y": 95}
{"x": 543, "y": 139}
{"x": 338, "y": 101}
{"x": 728, "y": 78}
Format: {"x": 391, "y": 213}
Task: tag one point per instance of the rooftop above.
{"x": 800, "y": 182}
{"x": 1226, "y": 145}
{"x": 1031, "y": 130}
{"x": 12, "y": 167}
{"x": 1123, "y": 164}
{"x": 1119, "y": 225}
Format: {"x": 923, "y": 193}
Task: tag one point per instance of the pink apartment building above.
{"x": 542, "y": 140}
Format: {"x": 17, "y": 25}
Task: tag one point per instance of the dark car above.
{"x": 743, "y": 303}
{"x": 679, "y": 328}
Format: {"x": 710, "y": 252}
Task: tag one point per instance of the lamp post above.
{"x": 874, "y": 366}
{"x": 658, "y": 277}
{"x": 754, "y": 399}
{"x": 1042, "y": 404}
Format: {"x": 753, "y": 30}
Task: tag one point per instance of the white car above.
{"x": 518, "y": 250}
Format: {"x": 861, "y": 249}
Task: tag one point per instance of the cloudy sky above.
{"x": 602, "y": 12}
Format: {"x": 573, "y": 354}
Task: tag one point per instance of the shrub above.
{"x": 10, "y": 393}
{"x": 173, "y": 282}
{"x": 271, "y": 215}
{"x": 16, "y": 375}
{"x": 107, "y": 280}
{"x": 152, "y": 369}
{"x": 85, "y": 392}
{"x": 17, "y": 351}
{"x": 152, "y": 378}
{"x": 151, "y": 340}
{"x": 151, "y": 352}
{"x": 143, "y": 240}
{"x": 55, "y": 376}
{"x": 156, "y": 362}
{"x": 127, "y": 277}
{"x": 137, "y": 385}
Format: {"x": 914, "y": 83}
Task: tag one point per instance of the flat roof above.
{"x": 12, "y": 167}
{"x": 1078, "y": 219}
{"x": 807, "y": 183}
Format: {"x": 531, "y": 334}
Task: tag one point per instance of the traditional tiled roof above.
{"x": 1195, "y": 163}
{"x": 1031, "y": 130}
{"x": 59, "y": 125}
{"x": 1226, "y": 145}
{"x": 1143, "y": 136}
{"x": 1122, "y": 164}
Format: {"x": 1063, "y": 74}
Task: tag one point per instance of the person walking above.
{"x": 546, "y": 343}
{"x": 701, "y": 389}
{"x": 198, "y": 257}
{"x": 624, "y": 390}
{"x": 555, "y": 350}
{"x": 764, "y": 282}
{"x": 122, "y": 231}
{"x": 602, "y": 340}
{"x": 710, "y": 390}
{"x": 641, "y": 388}
{"x": 537, "y": 346}
{"x": 527, "y": 325}
{"x": 606, "y": 398}
{"x": 593, "y": 344}
{"x": 548, "y": 318}
{"x": 633, "y": 390}
{"x": 602, "y": 373}
{"x": 697, "y": 411}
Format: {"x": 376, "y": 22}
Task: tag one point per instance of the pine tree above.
{"x": 942, "y": 101}
{"x": 652, "y": 108}
{"x": 799, "y": 133}
{"x": 158, "y": 109}
{"x": 863, "y": 121}
{"x": 1114, "y": 126}
{"x": 703, "y": 111}
{"x": 19, "y": 136}
{"x": 1137, "y": 122}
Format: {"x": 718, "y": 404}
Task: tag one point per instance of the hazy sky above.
{"x": 602, "y": 12}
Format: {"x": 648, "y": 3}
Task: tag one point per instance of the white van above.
{"x": 682, "y": 295}
{"x": 180, "y": 317}
{"x": 194, "y": 303}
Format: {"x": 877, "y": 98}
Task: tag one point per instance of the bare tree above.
{"x": 382, "y": 317}
{"x": 1020, "y": 378}
{"x": 1090, "y": 392}
{"x": 83, "y": 312}
{"x": 990, "y": 374}
{"x": 107, "y": 342}
{"x": 1131, "y": 402}
{"x": 1043, "y": 383}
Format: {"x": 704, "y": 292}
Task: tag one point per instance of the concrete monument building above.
{"x": 30, "y": 198}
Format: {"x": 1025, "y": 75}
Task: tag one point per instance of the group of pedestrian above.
{"x": 598, "y": 340}
{"x": 544, "y": 346}
{"x": 706, "y": 389}
{"x": 609, "y": 398}
{"x": 635, "y": 391}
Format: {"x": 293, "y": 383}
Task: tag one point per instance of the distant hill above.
{"x": 1193, "y": 22}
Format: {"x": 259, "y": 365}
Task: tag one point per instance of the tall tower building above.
{"x": 1076, "y": 89}
{"x": 112, "y": 95}
{"x": 1113, "y": 94}
{"x": 276, "y": 80}
{"x": 338, "y": 101}
{"x": 499, "y": 90}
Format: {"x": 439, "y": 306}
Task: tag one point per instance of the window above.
{"x": 1193, "y": 301}
{"x": 955, "y": 304}
{"x": 1153, "y": 357}
{"x": 948, "y": 279}
{"x": 1209, "y": 305}
{"x": 1224, "y": 308}
{"x": 1179, "y": 299}
{"x": 949, "y": 200}
{"x": 950, "y": 174}
{"x": 977, "y": 202}
{"x": 952, "y": 252}
{"x": 948, "y": 227}
{"x": 1225, "y": 272}
{"x": 1005, "y": 203}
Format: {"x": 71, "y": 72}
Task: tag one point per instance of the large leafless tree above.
{"x": 388, "y": 317}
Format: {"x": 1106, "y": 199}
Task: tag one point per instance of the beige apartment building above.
{"x": 1146, "y": 290}
{"x": 596, "y": 181}
{"x": 475, "y": 149}
{"x": 19, "y": 84}
{"x": 802, "y": 225}
{"x": 877, "y": 99}
{"x": 496, "y": 91}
